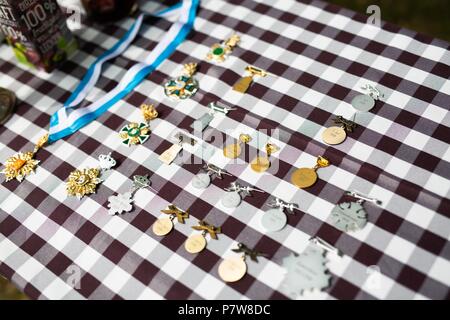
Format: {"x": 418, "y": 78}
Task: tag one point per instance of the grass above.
{"x": 430, "y": 17}
{"x": 9, "y": 292}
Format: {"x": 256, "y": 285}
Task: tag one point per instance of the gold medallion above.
{"x": 195, "y": 244}
{"x": 233, "y": 269}
{"x": 334, "y": 135}
{"x": 233, "y": 151}
{"x": 262, "y": 164}
{"x": 304, "y": 177}
{"x": 162, "y": 227}
{"x": 22, "y": 164}
{"x": 307, "y": 177}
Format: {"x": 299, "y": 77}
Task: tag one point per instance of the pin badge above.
{"x": 275, "y": 219}
{"x": 197, "y": 242}
{"x": 366, "y": 102}
{"x": 203, "y": 122}
{"x": 170, "y": 154}
{"x": 236, "y": 192}
{"x": 220, "y": 51}
{"x": 163, "y": 226}
{"x": 351, "y": 216}
{"x": 233, "y": 151}
{"x": 22, "y": 164}
{"x": 185, "y": 86}
{"x": 305, "y": 272}
{"x": 123, "y": 202}
{"x": 234, "y": 268}
{"x": 137, "y": 133}
{"x": 307, "y": 177}
{"x": 203, "y": 180}
{"x": 84, "y": 182}
{"x": 262, "y": 163}
{"x": 336, "y": 135}
{"x": 251, "y": 72}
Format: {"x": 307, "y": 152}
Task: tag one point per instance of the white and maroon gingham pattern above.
{"x": 322, "y": 55}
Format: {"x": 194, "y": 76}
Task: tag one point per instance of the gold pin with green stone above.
{"x": 220, "y": 51}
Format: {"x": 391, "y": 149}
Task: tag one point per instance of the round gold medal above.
{"x": 162, "y": 226}
{"x": 232, "y": 151}
{"x": 260, "y": 164}
{"x": 334, "y": 135}
{"x": 195, "y": 243}
{"x": 304, "y": 177}
{"x": 232, "y": 269}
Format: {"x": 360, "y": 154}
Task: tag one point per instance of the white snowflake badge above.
{"x": 123, "y": 203}
{"x": 305, "y": 272}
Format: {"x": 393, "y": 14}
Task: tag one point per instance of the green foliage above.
{"x": 431, "y": 17}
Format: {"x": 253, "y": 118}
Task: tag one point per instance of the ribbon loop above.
{"x": 278, "y": 203}
{"x": 246, "y": 191}
{"x": 179, "y": 214}
{"x": 348, "y": 125}
{"x": 208, "y": 228}
{"x": 253, "y": 254}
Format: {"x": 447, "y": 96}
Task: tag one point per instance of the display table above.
{"x": 321, "y": 55}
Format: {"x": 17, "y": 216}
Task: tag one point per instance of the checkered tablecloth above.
{"x": 321, "y": 55}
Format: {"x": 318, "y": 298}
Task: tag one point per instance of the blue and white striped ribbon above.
{"x": 70, "y": 119}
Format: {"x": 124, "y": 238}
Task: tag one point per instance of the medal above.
{"x": 203, "y": 122}
{"x": 251, "y": 72}
{"x": 234, "y": 268}
{"x": 137, "y": 133}
{"x": 233, "y": 151}
{"x": 351, "y": 216}
{"x": 170, "y": 154}
{"x": 262, "y": 163}
{"x": 122, "y": 203}
{"x": 185, "y": 86}
{"x": 337, "y": 135}
{"x": 203, "y": 180}
{"x": 84, "y": 182}
{"x": 220, "y": 51}
{"x": 163, "y": 226}
{"x": 197, "y": 242}
{"x": 307, "y": 177}
{"x": 366, "y": 102}
{"x": 305, "y": 272}
{"x": 275, "y": 219}
{"x": 7, "y": 104}
{"x": 21, "y": 164}
{"x": 233, "y": 197}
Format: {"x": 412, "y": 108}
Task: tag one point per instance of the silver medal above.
{"x": 274, "y": 220}
{"x": 201, "y": 181}
{"x": 349, "y": 216}
{"x": 363, "y": 103}
{"x": 231, "y": 200}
